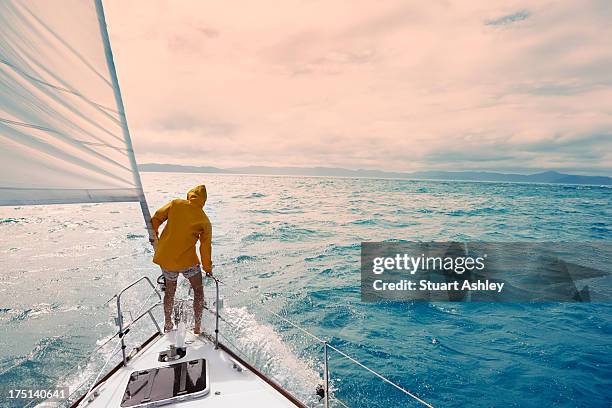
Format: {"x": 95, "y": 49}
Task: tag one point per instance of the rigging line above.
{"x": 380, "y": 376}
{"x": 338, "y": 400}
{"x": 353, "y": 360}
{"x": 110, "y": 64}
{"x": 276, "y": 314}
{"x": 46, "y": 129}
{"x": 86, "y": 359}
{"x": 68, "y": 46}
{"x": 137, "y": 314}
{"x": 66, "y": 105}
{"x": 235, "y": 347}
{"x": 247, "y": 357}
{"x": 338, "y": 351}
{"x": 357, "y": 362}
{"x": 115, "y": 351}
{"x": 293, "y": 324}
{"x": 345, "y": 355}
{"x": 112, "y": 354}
{"x": 48, "y": 149}
{"x": 59, "y": 88}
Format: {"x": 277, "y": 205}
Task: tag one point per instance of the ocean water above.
{"x": 291, "y": 245}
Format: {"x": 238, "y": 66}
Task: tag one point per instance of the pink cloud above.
{"x": 386, "y": 85}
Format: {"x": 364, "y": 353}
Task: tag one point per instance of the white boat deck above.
{"x": 229, "y": 387}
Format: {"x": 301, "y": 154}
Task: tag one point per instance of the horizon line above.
{"x": 510, "y": 172}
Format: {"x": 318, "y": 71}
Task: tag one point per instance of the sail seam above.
{"x": 68, "y": 46}
{"x": 46, "y": 129}
{"x": 49, "y": 149}
{"x": 59, "y": 88}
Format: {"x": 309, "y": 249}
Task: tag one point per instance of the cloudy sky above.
{"x": 393, "y": 85}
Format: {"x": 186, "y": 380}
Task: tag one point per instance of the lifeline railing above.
{"x": 325, "y": 345}
{"x": 121, "y": 333}
{"x": 124, "y": 330}
{"x": 119, "y": 319}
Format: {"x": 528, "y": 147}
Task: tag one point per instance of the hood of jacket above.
{"x": 197, "y": 195}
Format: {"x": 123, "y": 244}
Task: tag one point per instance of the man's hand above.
{"x": 209, "y": 273}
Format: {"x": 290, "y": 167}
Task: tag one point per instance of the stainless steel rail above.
{"x": 119, "y": 320}
{"x": 325, "y": 375}
{"x": 326, "y": 347}
{"x": 216, "y": 310}
{"x": 123, "y": 330}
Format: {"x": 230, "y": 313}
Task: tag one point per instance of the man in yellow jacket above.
{"x": 175, "y": 253}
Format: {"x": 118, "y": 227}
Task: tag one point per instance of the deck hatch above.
{"x": 162, "y": 385}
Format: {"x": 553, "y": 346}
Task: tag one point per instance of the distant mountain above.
{"x": 178, "y": 168}
{"x": 544, "y": 177}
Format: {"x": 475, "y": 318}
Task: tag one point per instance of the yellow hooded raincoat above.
{"x": 186, "y": 224}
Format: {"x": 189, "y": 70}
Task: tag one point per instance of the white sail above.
{"x": 63, "y": 134}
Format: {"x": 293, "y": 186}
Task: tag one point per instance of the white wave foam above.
{"x": 264, "y": 348}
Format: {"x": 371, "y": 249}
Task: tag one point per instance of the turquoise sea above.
{"x": 291, "y": 245}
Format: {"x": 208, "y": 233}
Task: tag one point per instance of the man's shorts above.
{"x": 187, "y": 273}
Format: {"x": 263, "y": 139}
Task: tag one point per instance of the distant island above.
{"x": 543, "y": 177}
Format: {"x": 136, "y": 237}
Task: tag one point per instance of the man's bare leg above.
{"x": 169, "y": 304}
{"x": 198, "y": 301}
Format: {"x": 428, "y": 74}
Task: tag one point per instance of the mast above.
{"x": 126, "y": 132}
